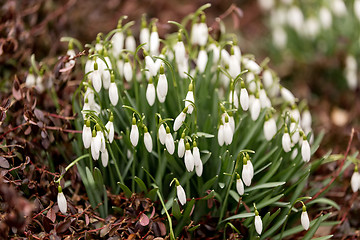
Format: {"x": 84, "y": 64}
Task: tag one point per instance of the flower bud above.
{"x": 181, "y": 194}
{"x": 62, "y": 203}
{"x": 134, "y": 134}
{"x": 305, "y": 219}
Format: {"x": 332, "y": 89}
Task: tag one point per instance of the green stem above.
{"x": 72, "y": 164}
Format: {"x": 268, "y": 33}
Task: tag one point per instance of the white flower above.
{"x": 96, "y": 80}
{"x": 294, "y": 153}
{"x": 120, "y": 66}
{"x": 154, "y": 42}
{"x": 179, "y": 120}
{"x": 221, "y": 135}
{"x": 295, "y": 18}
{"x": 145, "y": 37}
{"x": 150, "y": 93}
{"x": 113, "y": 94}
{"x": 110, "y": 128}
{"x": 162, "y": 134}
{"x": 255, "y": 109}
{"x": 162, "y": 86}
{"x": 305, "y": 151}
{"x": 225, "y": 57}
{"x": 102, "y": 138}
{"x": 355, "y": 180}
{"x": 351, "y": 79}
{"x": 189, "y": 159}
{"x": 311, "y": 27}
{"x": 105, "y": 73}
{"x": 30, "y": 80}
{"x": 128, "y": 72}
{"x": 251, "y": 65}
{"x": 180, "y": 52}
{"x": 202, "y": 34}
{"x": 232, "y": 123}
{"x": 279, "y": 37}
{"x": 62, "y": 203}
{"x": 338, "y": 7}
{"x": 244, "y": 99}
{"x": 270, "y": 129}
{"x": 236, "y": 98}
{"x": 181, "y": 194}
{"x": 189, "y": 99}
{"x": 228, "y": 133}
{"x": 266, "y": 5}
{"x": 117, "y": 43}
{"x": 130, "y": 43}
{"x": 150, "y": 65}
{"x": 325, "y": 18}
{"x": 286, "y": 142}
{"x": 134, "y": 133}
{"x": 247, "y": 173}
{"x": 305, "y": 220}
{"x": 216, "y": 52}
{"x": 199, "y": 169}
{"x": 89, "y": 65}
{"x": 183, "y": 68}
{"x": 89, "y": 95}
{"x": 181, "y": 148}
{"x": 86, "y": 135}
{"x": 357, "y": 9}
{"x": 95, "y": 145}
{"x": 169, "y": 141}
{"x": 148, "y": 141}
{"x": 306, "y": 120}
{"x": 287, "y": 95}
{"x": 104, "y": 158}
{"x": 234, "y": 66}
{"x": 264, "y": 100}
{"x": 197, "y": 160}
{"x": 267, "y": 78}
{"x": 239, "y": 186}
{"x": 202, "y": 60}
{"x": 258, "y": 224}
{"x": 251, "y": 168}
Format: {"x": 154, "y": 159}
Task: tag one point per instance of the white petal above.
{"x": 169, "y": 143}
{"x": 86, "y": 136}
{"x": 110, "y": 127}
{"x": 355, "y": 181}
{"x": 189, "y": 98}
{"x": 287, "y": 95}
{"x": 130, "y": 43}
{"x": 154, "y": 43}
{"x": 270, "y": 129}
{"x": 189, "y": 161}
{"x": 181, "y": 148}
{"x": 199, "y": 169}
{"x": 162, "y": 86}
{"x": 62, "y": 203}
{"x": 148, "y": 141}
{"x": 258, "y": 224}
{"x": 228, "y": 133}
{"x": 113, "y": 94}
{"x": 255, "y": 109}
{"x": 162, "y": 134}
{"x": 305, "y": 151}
{"x": 202, "y": 61}
{"x": 179, "y": 121}
{"x": 244, "y": 99}
{"x": 134, "y": 135}
{"x": 246, "y": 174}
{"x": 150, "y": 94}
{"x": 89, "y": 95}
{"x": 179, "y": 52}
{"x": 104, "y": 158}
{"x": 196, "y": 155}
{"x": 240, "y": 187}
{"x": 221, "y": 135}
{"x": 181, "y": 194}
{"x": 286, "y": 142}
{"x": 305, "y": 220}
{"x": 306, "y": 119}
{"x": 203, "y": 33}
{"x": 236, "y": 98}
{"x": 150, "y": 65}
{"x": 128, "y": 73}
{"x": 234, "y": 66}
{"x": 106, "y": 79}
{"x": 117, "y": 43}
{"x": 30, "y": 80}
{"x": 145, "y": 37}
{"x": 96, "y": 80}
{"x": 267, "y": 78}
{"x": 95, "y": 152}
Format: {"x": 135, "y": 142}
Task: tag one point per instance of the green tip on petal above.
{"x": 133, "y": 121}
{"x": 94, "y": 133}
{"x": 59, "y": 189}
{"x": 191, "y": 87}
{"x": 304, "y": 208}
{"x": 183, "y": 135}
{"x": 98, "y": 128}
{"x": 111, "y": 119}
{"x": 145, "y": 129}
{"x": 245, "y": 160}
{"x": 194, "y": 144}
{"x": 88, "y": 123}
{"x": 167, "y": 129}
{"x": 187, "y": 146}
{"x": 96, "y": 67}
{"x": 256, "y": 213}
{"x": 162, "y": 71}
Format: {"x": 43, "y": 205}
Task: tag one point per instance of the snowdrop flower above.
{"x": 287, "y": 95}
{"x": 162, "y": 86}
{"x": 355, "y": 180}
{"x": 30, "y": 79}
{"x": 197, "y": 160}
{"x": 102, "y": 138}
{"x": 295, "y": 18}
{"x": 294, "y": 153}
{"x": 181, "y": 194}
{"x": 351, "y": 79}
{"x": 306, "y": 120}
{"x": 216, "y": 52}
{"x": 130, "y": 43}
{"x": 251, "y": 65}
{"x": 117, "y": 43}
{"x": 269, "y": 128}
{"x": 234, "y": 66}
{"x": 247, "y": 171}
{"x": 286, "y": 141}
{"x": 104, "y": 158}
{"x": 264, "y": 100}
{"x": 181, "y": 146}
{"x": 189, "y": 99}
{"x": 325, "y": 18}
{"x": 179, "y": 49}
{"x": 231, "y": 120}
{"x": 180, "y": 119}
{"x": 305, "y": 218}
{"x": 267, "y": 78}
{"x": 162, "y": 134}
{"x": 202, "y": 60}
{"x": 95, "y": 78}
{"x": 105, "y": 72}
{"x": 86, "y": 134}
{"x": 189, "y": 158}
{"x": 255, "y": 108}
{"x": 338, "y": 7}
{"x": 169, "y": 141}
{"x": 225, "y": 57}
{"x": 228, "y": 133}
{"x": 95, "y": 144}
{"x": 150, "y": 65}
{"x": 110, "y": 129}
{"x": 258, "y": 222}
{"x": 150, "y": 92}
{"x": 144, "y": 33}
{"x": 244, "y": 97}
{"x": 147, "y": 140}
{"x": 128, "y": 72}
{"x": 266, "y": 5}
{"x": 279, "y": 37}
{"x": 183, "y": 68}
{"x": 221, "y": 135}
{"x": 89, "y": 65}
{"x": 154, "y": 41}
{"x": 239, "y": 186}
{"x": 305, "y": 150}
{"x": 294, "y": 131}
{"x": 357, "y": 9}
{"x": 113, "y": 92}
{"x": 236, "y": 98}
{"x": 311, "y": 27}
{"x": 89, "y": 95}
{"x": 134, "y": 133}
{"x": 202, "y": 31}
{"x": 61, "y": 200}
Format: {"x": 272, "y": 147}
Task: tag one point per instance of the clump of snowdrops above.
{"x": 192, "y": 122}
{"x": 309, "y": 28}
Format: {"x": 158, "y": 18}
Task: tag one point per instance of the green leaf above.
{"x": 205, "y": 135}
{"x": 323, "y": 238}
{"x": 314, "y": 225}
{"x": 325, "y": 201}
{"x": 141, "y": 184}
{"x": 126, "y": 190}
{"x": 237, "y": 216}
{"x": 176, "y": 209}
{"x": 264, "y": 185}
